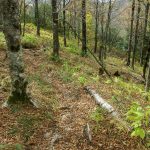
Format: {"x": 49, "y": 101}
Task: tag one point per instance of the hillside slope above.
{"x": 65, "y": 108}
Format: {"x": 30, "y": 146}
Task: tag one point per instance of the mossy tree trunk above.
{"x": 11, "y": 29}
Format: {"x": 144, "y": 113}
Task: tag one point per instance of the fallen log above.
{"x": 105, "y": 105}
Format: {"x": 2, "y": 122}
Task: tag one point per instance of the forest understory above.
{"x": 65, "y": 108}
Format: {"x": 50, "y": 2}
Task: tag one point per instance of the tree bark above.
{"x": 11, "y": 30}
{"x": 108, "y": 26}
{"x": 79, "y": 30}
{"x": 84, "y": 47}
{"x": 131, "y": 34}
{"x": 96, "y": 26}
{"x": 20, "y": 12}
{"x": 144, "y": 33}
{"x": 75, "y": 17}
{"x": 44, "y": 14}
{"x": 37, "y": 17}
{"x": 24, "y": 17}
{"x": 55, "y": 29}
{"x": 101, "y": 46}
{"x": 136, "y": 34}
{"x": 146, "y": 63}
{"x": 148, "y": 77}
{"x": 64, "y": 22}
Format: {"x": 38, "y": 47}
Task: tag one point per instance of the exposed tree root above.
{"x": 6, "y": 104}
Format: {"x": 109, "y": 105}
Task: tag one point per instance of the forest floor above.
{"x": 65, "y": 107}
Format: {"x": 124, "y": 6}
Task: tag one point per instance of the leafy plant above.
{"x": 55, "y": 58}
{"x": 139, "y": 118}
{"x": 82, "y": 80}
{"x": 67, "y": 72}
{"x": 97, "y": 116}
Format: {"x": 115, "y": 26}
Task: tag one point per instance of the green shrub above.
{"x": 97, "y": 117}
{"x": 82, "y": 80}
{"x": 30, "y": 41}
{"x": 139, "y": 118}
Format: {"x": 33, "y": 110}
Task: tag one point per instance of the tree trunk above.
{"x": 148, "y": 77}
{"x": 20, "y": 12}
{"x": 79, "y": 32}
{"x": 108, "y": 26}
{"x": 84, "y": 48}
{"x": 64, "y": 22}
{"x": 145, "y": 30}
{"x": 24, "y": 17}
{"x": 44, "y": 14}
{"x": 37, "y": 17}
{"x": 146, "y": 63}
{"x": 11, "y": 30}
{"x": 131, "y": 34}
{"x": 75, "y": 18}
{"x": 101, "y": 46}
{"x": 136, "y": 34}
{"x": 96, "y": 26}
{"x": 55, "y": 29}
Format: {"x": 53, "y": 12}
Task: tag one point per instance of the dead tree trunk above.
{"x": 136, "y": 34}
{"x": 102, "y": 103}
{"x": 131, "y": 34}
{"x": 11, "y": 30}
